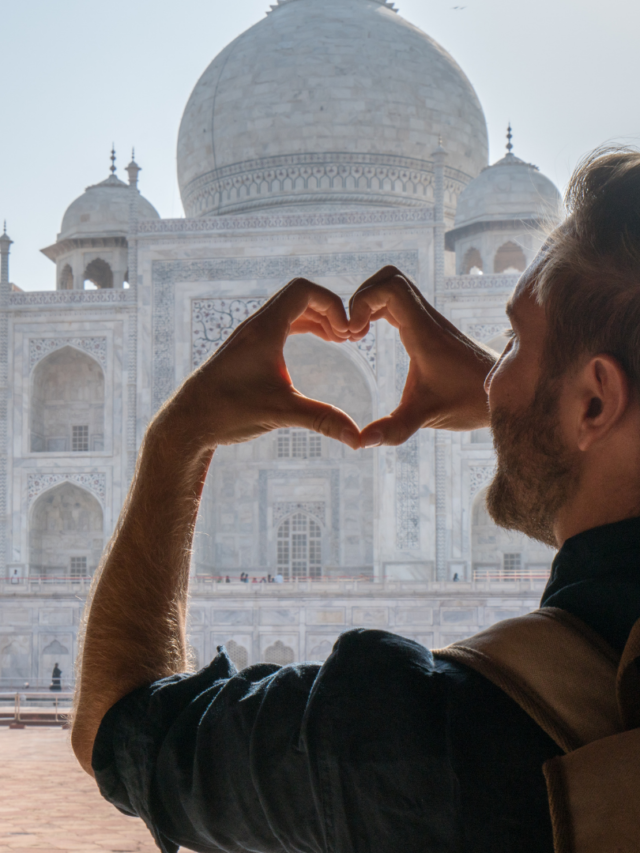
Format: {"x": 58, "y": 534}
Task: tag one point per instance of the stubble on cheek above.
{"x": 536, "y": 474}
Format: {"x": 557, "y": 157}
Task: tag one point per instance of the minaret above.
{"x": 133, "y": 170}
{"x": 5, "y": 245}
{"x": 441, "y": 437}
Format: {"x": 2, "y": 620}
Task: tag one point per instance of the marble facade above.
{"x": 394, "y": 538}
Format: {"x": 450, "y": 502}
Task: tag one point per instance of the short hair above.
{"x": 589, "y": 277}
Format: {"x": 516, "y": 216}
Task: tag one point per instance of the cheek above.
{"x": 511, "y": 385}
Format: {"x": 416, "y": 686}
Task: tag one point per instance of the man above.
{"x": 381, "y": 749}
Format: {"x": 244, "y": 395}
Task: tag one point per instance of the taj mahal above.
{"x": 331, "y": 138}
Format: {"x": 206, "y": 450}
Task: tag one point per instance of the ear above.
{"x": 604, "y": 396}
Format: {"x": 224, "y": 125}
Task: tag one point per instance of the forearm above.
{"x": 135, "y": 622}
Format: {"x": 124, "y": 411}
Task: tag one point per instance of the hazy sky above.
{"x": 79, "y": 74}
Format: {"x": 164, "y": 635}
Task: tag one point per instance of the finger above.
{"x": 295, "y": 299}
{"x": 394, "y": 429}
{"x": 387, "y": 294}
{"x": 321, "y": 417}
{"x": 318, "y": 324}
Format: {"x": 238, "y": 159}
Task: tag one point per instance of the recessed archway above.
{"x": 509, "y": 258}
{"x": 99, "y": 273}
{"x": 472, "y": 262}
{"x": 66, "y": 533}
{"x": 67, "y": 403}
{"x": 66, "y": 278}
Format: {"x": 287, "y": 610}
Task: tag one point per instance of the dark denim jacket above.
{"x": 382, "y": 749}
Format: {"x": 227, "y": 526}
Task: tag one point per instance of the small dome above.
{"x": 330, "y": 102}
{"x": 510, "y": 189}
{"x": 103, "y": 211}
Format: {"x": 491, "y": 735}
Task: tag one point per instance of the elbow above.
{"x": 83, "y": 735}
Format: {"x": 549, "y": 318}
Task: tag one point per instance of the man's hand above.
{"x": 135, "y": 630}
{"x": 445, "y": 383}
{"x": 244, "y": 390}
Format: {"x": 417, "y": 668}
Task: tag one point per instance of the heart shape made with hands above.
{"x": 444, "y": 388}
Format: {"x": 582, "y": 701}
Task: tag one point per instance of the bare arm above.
{"x": 135, "y": 630}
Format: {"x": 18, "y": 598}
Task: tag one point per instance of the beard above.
{"x": 535, "y": 473}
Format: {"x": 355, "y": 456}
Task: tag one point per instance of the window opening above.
{"x": 509, "y": 259}
{"x": 80, "y": 439}
{"x": 512, "y": 563}
{"x": 284, "y": 444}
{"x": 298, "y": 444}
{"x": 78, "y": 567}
{"x": 299, "y": 548}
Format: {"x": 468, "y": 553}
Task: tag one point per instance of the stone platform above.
{"x": 49, "y": 805}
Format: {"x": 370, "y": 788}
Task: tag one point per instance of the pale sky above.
{"x": 79, "y": 74}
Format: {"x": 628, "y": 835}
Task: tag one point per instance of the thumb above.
{"x": 325, "y": 419}
{"x": 394, "y": 429}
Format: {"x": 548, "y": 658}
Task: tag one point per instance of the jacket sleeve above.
{"x": 350, "y": 756}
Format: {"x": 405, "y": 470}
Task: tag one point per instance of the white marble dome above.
{"x": 103, "y": 211}
{"x": 509, "y": 190}
{"x": 327, "y": 101}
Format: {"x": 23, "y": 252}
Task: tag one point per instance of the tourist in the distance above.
{"x": 382, "y": 749}
{"x": 56, "y": 676}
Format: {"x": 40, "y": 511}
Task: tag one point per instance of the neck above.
{"x": 607, "y": 493}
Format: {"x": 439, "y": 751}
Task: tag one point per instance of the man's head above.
{"x": 564, "y": 395}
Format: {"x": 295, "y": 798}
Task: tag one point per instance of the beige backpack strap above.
{"x": 566, "y": 678}
{"x": 555, "y": 667}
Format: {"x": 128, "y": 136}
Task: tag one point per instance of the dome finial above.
{"x": 509, "y": 138}
{"x": 113, "y": 158}
{"x": 133, "y": 170}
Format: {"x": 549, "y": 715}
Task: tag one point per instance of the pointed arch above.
{"x": 472, "y": 261}
{"x": 99, "y": 273}
{"x": 66, "y": 533}
{"x": 66, "y": 278}
{"x": 509, "y": 257}
{"x": 67, "y": 403}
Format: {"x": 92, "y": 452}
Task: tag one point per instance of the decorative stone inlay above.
{"x": 284, "y": 508}
{"x": 407, "y": 471}
{"x": 479, "y": 477}
{"x": 372, "y": 179}
{"x": 166, "y": 274}
{"x": 94, "y": 483}
{"x": 481, "y": 282}
{"x": 213, "y": 320}
{"x": 368, "y": 347}
{"x": 484, "y": 332}
{"x": 269, "y": 221}
{"x": 72, "y": 297}
{"x": 40, "y": 347}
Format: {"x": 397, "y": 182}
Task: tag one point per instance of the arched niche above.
{"x": 67, "y": 403}
{"x": 15, "y": 659}
{"x": 279, "y": 654}
{"x": 499, "y": 552}
{"x": 66, "y": 534}
{"x": 99, "y": 273}
{"x": 66, "y": 278}
{"x": 238, "y": 654}
{"x": 56, "y": 652}
{"x": 509, "y": 258}
{"x": 472, "y": 262}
